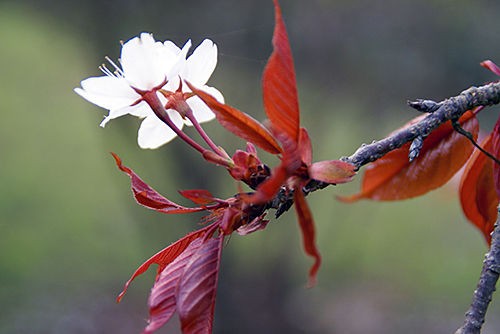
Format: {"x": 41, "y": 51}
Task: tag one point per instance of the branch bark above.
{"x": 449, "y": 109}
{"x": 474, "y": 318}
{"x": 439, "y": 113}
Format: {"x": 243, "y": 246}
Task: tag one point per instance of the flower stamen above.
{"x": 106, "y": 71}
{"x": 117, "y": 68}
{"x": 117, "y": 73}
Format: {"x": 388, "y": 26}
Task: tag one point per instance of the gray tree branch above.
{"x": 439, "y": 112}
{"x": 449, "y": 109}
{"x": 474, "y": 318}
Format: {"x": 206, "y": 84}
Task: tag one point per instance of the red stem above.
{"x": 204, "y": 135}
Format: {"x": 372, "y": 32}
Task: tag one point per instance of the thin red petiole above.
{"x": 204, "y": 135}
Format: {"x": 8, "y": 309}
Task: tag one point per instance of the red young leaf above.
{"x": 197, "y": 288}
{"x": 162, "y": 301}
{"x": 332, "y": 171}
{"x": 305, "y": 147}
{"x": 148, "y": 197}
{"x": 280, "y": 89}
{"x": 477, "y": 191}
{"x": 239, "y": 123}
{"x": 194, "y": 271}
{"x": 491, "y": 66}
{"x": 495, "y": 140}
{"x": 165, "y": 256}
{"x": 198, "y": 196}
{"x": 306, "y": 223}
{"x": 393, "y": 177}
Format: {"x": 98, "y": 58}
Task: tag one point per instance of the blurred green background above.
{"x": 71, "y": 234}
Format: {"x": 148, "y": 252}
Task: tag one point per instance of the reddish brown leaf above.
{"x": 491, "y": 66}
{"x": 332, "y": 171}
{"x": 477, "y": 191}
{"x": 148, "y": 197}
{"x": 166, "y": 256}
{"x": 495, "y": 140}
{"x": 239, "y": 123}
{"x": 197, "y": 289}
{"x": 162, "y": 301}
{"x": 279, "y": 86}
{"x": 393, "y": 177}
{"x": 305, "y": 147}
{"x": 306, "y": 224}
{"x": 198, "y": 196}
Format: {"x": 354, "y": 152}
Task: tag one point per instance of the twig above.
{"x": 469, "y": 136}
{"x": 449, "y": 109}
{"x": 442, "y": 112}
{"x": 474, "y": 318}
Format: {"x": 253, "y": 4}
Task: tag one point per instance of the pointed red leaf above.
{"x": 495, "y": 140}
{"x": 306, "y": 224}
{"x": 305, "y": 147}
{"x": 197, "y": 289}
{"x": 332, "y": 171}
{"x": 491, "y": 66}
{"x": 239, "y": 123}
{"x": 478, "y": 196}
{"x": 198, "y": 196}
{"x": 279, "y": 86}
{"x": 165, "y": 256}
{"x": 162, "y": 301}
{"x": 148, "y": 197}
{"x": 393, "y": 177}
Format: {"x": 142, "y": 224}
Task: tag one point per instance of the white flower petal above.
{"x": 140, "y": 110}
{"x": 178, "y": 66}
{"x": 153, "y": 133}
{"x": 176, "y": 118}
{"x": 214, "y": 92}
{"x": 172, "y": 48}
{"x": 107, "y": 92}
{"x": 201, "y": 111}
{"x": 145, "y": 62}
{"x": 201, "y": 64}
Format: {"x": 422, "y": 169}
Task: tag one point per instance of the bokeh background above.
{"x": 71, "y": 234}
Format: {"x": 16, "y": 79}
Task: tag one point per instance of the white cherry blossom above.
{"x": 148, "y": 65}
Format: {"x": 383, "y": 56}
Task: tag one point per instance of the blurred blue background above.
{"x": 71, "y": 233}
